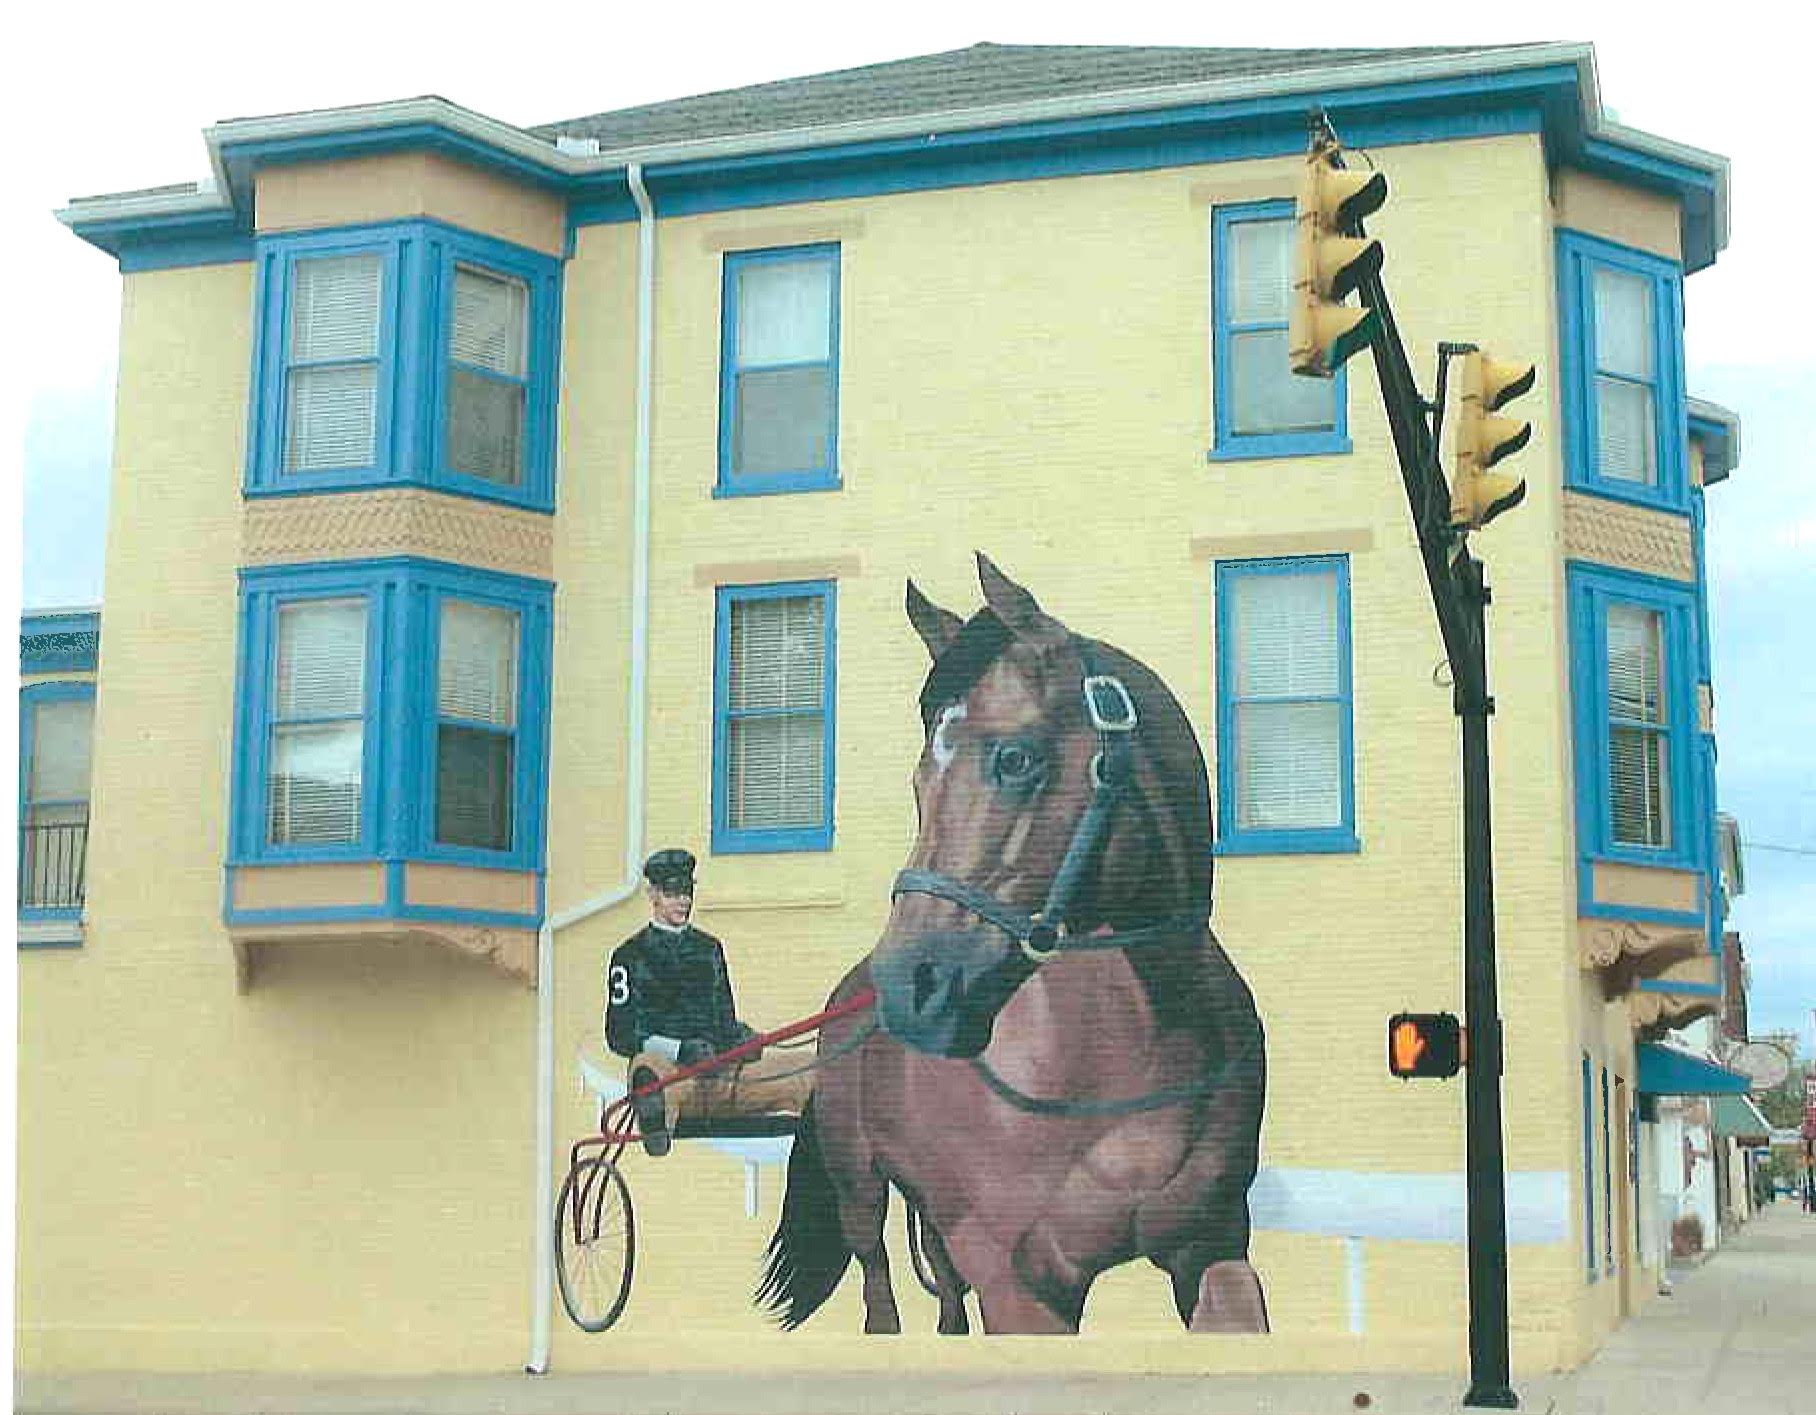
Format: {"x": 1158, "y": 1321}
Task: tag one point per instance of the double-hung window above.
{"x": 1285, "y": 719}
{"x": 316, "y": 774}
{"x": 1632, "y": 656}
{"x": 331, "y": 374}
{"x": 779, "y": 371}
{"x": 1262, "y": 408}
{"x": 391, "y": 709}
{"x": 475, "y": 724}
{"x": 409, "y": 352}
{"x": 1622, "y": 358}
{"x": 56, "y": 734}
{"x": 774, "y": 718}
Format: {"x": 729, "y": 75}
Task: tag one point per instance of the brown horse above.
{"x": 1069, "y": 1072}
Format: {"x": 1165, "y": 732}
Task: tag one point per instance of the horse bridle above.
{"x": 1045, "y": 933}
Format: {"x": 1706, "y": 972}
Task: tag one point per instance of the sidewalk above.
{"x": 1737, "y": 1338}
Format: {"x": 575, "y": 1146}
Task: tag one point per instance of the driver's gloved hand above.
{"x": 695, "y": 1049}
{"x": 745, "y": 1033}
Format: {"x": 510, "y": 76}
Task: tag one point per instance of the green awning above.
{"x": 1666, "y": 1071}
{"x": 1736, "y": 1117}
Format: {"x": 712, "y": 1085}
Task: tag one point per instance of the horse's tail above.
{"x": 807, "y": 1254}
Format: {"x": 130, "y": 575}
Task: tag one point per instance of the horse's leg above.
{"x": 861, "y": 1214}
{"x": 954, "y": 1320}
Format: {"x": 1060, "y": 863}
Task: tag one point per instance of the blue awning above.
{"x": 1666, "y": 1071}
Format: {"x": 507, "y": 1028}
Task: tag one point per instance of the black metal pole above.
{"x": 1485, "y": 1161}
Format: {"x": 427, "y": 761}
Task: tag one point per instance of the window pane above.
{"x": 783, "y": 421}
{"x": 1638, "y": 773}
{"x": 334, "y": 308}
{"x": 1266, "y": 395}
{"x": 777, "y": 653}
{"x": 1289, "y": 763}
{"x": 473, "y": 786}
{"x": 784, "y": 312}
{"x": 333, "y": 418}
{"x": 61, "y": 735}
{"x": 1625, "y": 434}
{"x": 1258, "y": 274}
{"x": 776, "y": 772}
{"x": 491, "y": 321}
{"x": 321, "y": 659}
{"x": 1636, "y": 664}
{"x": 315, "y": 784}
{"x": 485, "y": 427}
{"x": 1284, "y": 628}
{"x": 1623, "y": 323}
{"x": 477, "y": 667}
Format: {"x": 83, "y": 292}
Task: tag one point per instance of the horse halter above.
{"x": 1111, "y": 713}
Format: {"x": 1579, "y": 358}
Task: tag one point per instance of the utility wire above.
{"x": 1779, "y": 849}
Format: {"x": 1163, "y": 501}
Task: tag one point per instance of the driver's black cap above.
{"x": 671, "y": 871}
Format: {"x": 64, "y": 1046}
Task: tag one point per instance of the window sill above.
{"x": 50, "y": 928}
{"x": 771, "y": 842}
{"x": 1290, "y": 842}
{"x": 1286, "y": 444}
{"x": 776, "y": 484}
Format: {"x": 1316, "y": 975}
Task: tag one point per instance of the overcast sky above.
{"x": 105, "y": 98}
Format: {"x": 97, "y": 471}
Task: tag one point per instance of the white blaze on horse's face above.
{"x": 943, "y": 748}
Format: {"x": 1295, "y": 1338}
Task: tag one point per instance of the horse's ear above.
{"x": 1008, "y": 600}
{"x": 937, "y": 627}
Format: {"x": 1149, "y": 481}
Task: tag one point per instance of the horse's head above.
{"x": 1028, "y": 730}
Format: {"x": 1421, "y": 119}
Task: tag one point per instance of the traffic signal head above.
{"x": 1478, "y": 495}
{"x": 1424, "y": 1044}
{"x": 1331, "y": 261}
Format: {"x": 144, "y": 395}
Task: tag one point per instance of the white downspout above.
{"x": 542, "y": 1294}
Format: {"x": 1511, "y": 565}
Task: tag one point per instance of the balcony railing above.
{"x": 51, "y": 861}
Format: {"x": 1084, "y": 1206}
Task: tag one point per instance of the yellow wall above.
{"x": 332, "y": 1171}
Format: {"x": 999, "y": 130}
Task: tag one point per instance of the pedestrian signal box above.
{"x": 1424, "y": 1044}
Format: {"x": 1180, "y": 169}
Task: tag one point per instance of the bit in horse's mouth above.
{"x": 927, "y": 986}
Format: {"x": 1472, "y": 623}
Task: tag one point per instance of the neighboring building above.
{"x": 58, "y": 653}
{"x": 494, "y": 505}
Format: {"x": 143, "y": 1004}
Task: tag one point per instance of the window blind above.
{"x": 475, "y": 756}
{"x": 1638, "y": 736}
{"x": 334, "y": 324}
{"x": 776, "y": 732}
{"x": 318, "y": 731}
{"x": 1625, "y": 420}
{"x": 1265, "y": 395}
{"x": 784, "y": 312}
{"x": 62, "y": 735}
{"x": 487, "y": 392}
{"x": 1288, "y": 708}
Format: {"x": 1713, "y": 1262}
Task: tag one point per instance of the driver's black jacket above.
{"x": 659, "y": 983}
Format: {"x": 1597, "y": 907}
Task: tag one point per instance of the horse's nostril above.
{"x": 925, "y": 984}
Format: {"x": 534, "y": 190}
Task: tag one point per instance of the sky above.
{"x": 106, "y": 97}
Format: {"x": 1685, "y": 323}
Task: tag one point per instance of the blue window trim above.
{"x": 1578, "y": 257}
{"x": 415, "y": 327}
{"x": 59, "y": 643}
{"x": 728, "y": 840}
{"x": 403, "y": 595}
{"x": 1607, "y": 1177}
{"x": 1230, "y": 445}
{"x": 1591, "y": 589}
{"x": 1593, "y": 1268}
{"x": 1335, "y": 839}
{"x": 731, "y": 482}
{"x": 30, "y": 697}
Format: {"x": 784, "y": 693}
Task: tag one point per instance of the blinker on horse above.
{"x": 1070, "y": 1071}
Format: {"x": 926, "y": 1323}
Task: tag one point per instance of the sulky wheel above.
{"x": 595, "y": 1244}
{"x": 915, "y": 1225}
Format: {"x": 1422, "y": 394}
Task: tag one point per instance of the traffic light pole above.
{"x": 1460, "y": 597}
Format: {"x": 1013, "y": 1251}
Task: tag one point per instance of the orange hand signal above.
{"x": 1409, "y": 1046}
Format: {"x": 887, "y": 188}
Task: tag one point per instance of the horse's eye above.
{"x": 1015, "y": 764}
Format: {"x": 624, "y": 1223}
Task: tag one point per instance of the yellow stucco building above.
{"x": 491, "y": 506}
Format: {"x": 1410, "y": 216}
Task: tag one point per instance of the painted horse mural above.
{"x": 1069, "y": 1073}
